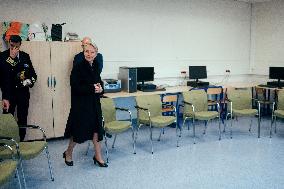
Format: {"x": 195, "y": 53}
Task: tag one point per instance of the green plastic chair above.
{"x": 279, "y": 112}
{"x": 113, "y": 126}
{"x": 9, "y": 132}
{"x": 8, "y": 167}
{"x": 240, "y": 105}
{"x": 195, "y": 107}
{"x": 149, "y": 113}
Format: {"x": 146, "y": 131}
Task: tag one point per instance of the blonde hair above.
{"x": 93, "y": 45}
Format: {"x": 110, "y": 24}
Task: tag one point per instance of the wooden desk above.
{"x": 270, "y": 88}
{"x": 239, "y": 85}
{"x": 177, "y": 89}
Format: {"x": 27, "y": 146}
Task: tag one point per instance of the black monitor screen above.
{"x": 197, "y": 72}
{"x": 145, "y": 74}
{"x": 276, "y": 72}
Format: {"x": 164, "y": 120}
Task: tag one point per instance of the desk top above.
{"x": 269, "y": 88}
{"x": 176, "y": 89}
{"x": 179, "y": 89}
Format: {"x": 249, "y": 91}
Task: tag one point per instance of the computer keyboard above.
{"x": 267, "y": 86}
{"x": 148, "y": 90}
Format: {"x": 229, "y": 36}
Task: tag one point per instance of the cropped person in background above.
{"x": 17, "y": 76}
{"x": 85, "y": 117}
{"x": 80, "y": 56}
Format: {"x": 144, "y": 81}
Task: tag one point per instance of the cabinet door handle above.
{"x": 54, "y": 82}
{"x": 48, "y": 80}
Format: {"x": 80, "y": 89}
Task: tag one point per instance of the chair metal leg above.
{"x": 18, "y": 177}
{"x": 180, "y": 132}
{"x": 136, "y": 133}
{"x": 258, "y": 121}
{"x": 151, "y": 138}
{"x": 22, "y": 170}
{"x": 21, "y": 166}
{"x": 134, "y": 141}
{"x": 193, "y": 124}
{"x": 88, "y": 147}
{"x": 161, "y": 131}
{"x": 188, "y": 126}
{"x": 275, "y": 119}
{"x": 49, "y": 163}
{"x": 205, "y": 127}
{"x": 182, "y": 126}
{"x": 219, "y": 128}
{"x": 136, "y": 136}
{"x": 231, "y": 131}
{"x": 107, "y": 155}
{"x": 270, "y": 132}
{"x": 224, "y": 129}
{"x": 225, "y": 123}
{"x": 177, "y": 134}
{"x": 114, "y": 140}
{"x": 184, "y": 121}
{"x": 250, "y": 124}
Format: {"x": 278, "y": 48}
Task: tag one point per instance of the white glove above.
{"x": 27, "y": 82}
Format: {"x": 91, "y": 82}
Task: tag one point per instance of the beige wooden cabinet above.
{"x": 51, "y": 95}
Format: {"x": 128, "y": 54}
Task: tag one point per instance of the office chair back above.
{"x": 280, "y": 104}
{"x": 152, "y": 102}
{"x": 108, "y": 109}
{"x": 9, "y": 127}
{"x": 196, "y": 97}
{"x": 241, "y": 98}
{"x": 260, "y": 93}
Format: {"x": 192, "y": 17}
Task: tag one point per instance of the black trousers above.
{"x": 20, "y": 100}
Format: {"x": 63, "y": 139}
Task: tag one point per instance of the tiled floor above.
{"x": 242, "y": 162}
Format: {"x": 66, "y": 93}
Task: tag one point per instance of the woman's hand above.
{"x": 6, "y": 104}
{"x": 98, "y": 88}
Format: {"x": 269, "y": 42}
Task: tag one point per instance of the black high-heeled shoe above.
{"x": 99, "y": 163}
{"x": 69, "y": 163}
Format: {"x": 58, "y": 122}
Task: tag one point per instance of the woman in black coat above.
{"x": 85, "y": 117}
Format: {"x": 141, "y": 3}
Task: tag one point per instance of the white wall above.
{"x": 169, "y": 35}
{"x": 268, "y": 37}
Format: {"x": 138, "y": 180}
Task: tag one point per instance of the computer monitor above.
{"x": 276, "y": 73}
{"x": 197, "y": 72}
{"x": 145, "y": 74}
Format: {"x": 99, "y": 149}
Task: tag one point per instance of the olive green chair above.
{"x": 8, "y": 167}
{"x": 279, "y": 112}
{"x": 113, "y": 126}
{"x": 240, "y": 105}
{"x": 149, "y": 113}
{"x": 26, "y": 150}
{"x": 195, "y": 107}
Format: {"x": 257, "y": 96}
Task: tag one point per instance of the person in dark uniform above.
{"x": 80, "y": 56}
{"x": 85, "y": 117}
{"x": 17, "y": 76}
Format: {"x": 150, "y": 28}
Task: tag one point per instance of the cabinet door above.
{"x": 40, "y": 109}
{"x": 62, "y": 55}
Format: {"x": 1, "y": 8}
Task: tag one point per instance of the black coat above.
{"x": 85, "y": 117}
